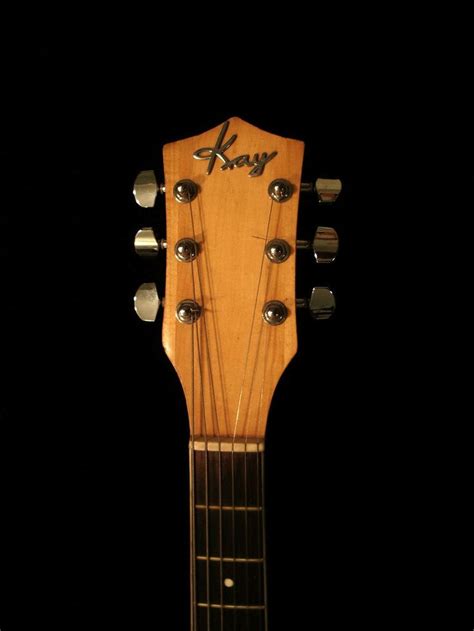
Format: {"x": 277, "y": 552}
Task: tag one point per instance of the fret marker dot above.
{"x": 228, "y": 582}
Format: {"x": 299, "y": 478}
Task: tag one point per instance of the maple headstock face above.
{"x": 229, "y": 325}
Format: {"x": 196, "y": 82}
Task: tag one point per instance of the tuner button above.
{"x": 146, "y": 188}
{"x": 328, "y": 190}
{"x": 147, "y": 302}
{"x": 146, "y": 243}
{"x": 325, "y": 245}
{"x": 322, "y": 303}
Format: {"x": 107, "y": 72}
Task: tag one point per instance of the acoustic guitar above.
{"x": 229, "y": 329}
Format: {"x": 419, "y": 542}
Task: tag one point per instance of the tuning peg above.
{"x": 321, "y": 305}
{"x": 326, "y": 190}
{"x": 147, "y": 302}
{"x": 146, "y": 244}
{"x": 145, "y": 189}
{"x": 324, "y": 245}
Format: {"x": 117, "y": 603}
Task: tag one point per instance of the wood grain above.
{"x": 230, "y": 361}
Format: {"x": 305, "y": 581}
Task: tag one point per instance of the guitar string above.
{"x": 192, "y": 483}
{"x": 261, "y": 502}
{"x": 233, "y": 535}
{"x": 276, "y": 269}
{"x": 272, "y": 272}
{"x": 216, "y": 328}
{"x": 206, "y": 464}
{"x": 213, "y": 417}
{"x": 261, "y": 464}
{"x": 192, "y": 488}
{"x": 252, "y": 380}
{"x": 262, "y": 332}
{"x": 264, "y": 546}
{"x": 246, "y": 434}
{"x": 252, "y": 323}
{"x": 213, "y": 316}
{"x": 239, "y": 406}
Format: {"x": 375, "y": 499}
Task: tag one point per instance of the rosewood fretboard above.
{"x": 228, "y": 586}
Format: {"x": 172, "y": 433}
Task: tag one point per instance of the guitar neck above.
{"x": 228, "y": 582}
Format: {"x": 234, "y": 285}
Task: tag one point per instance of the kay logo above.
{"x": 257, "y": 163}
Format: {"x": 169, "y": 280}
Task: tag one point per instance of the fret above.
{"x": 249, "y": 508}
{"x": 247, "y": 607}
{"x": 230, "y": 559}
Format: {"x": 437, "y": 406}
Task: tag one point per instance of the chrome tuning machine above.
{"x": 146, "y": 243}
{"x": 327, "y": 190}
{"x": 147, "y": 302}
{"x": 324, "y": 245}
{"x": 146, "y": 188}
{"x": 321, "y": 305}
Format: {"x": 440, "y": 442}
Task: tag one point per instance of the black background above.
{"x": 94, "y": 426}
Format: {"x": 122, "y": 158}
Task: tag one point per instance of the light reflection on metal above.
{"x": 328, "y": 190}
{"x": 321, "y": 305}
{"x": 274, "y": 312}
{"x": 146, "y": 188}
{"x": 185, "y": 191}
{"x": 280, "y": 190}
{"x": 147, "y": 302}
{"x": 146, "y": 244}
{"x": 324, "y": 245}
{"x": 277, "y": 250}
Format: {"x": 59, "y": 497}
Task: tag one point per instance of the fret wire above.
{"x": 230, "y": 559}
{"x": 215, "y": 606}
{"x": 236, "y": 508}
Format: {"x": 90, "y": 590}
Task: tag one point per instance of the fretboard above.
{"x": 228, "y": 585}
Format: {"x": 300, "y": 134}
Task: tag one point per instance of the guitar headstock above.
{"x": 229, "y": 323}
